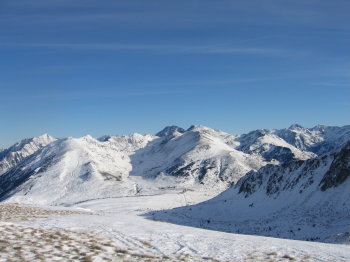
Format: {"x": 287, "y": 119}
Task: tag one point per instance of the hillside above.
{"x": 306, "y": 200}
{"x": 64, "y": 171}
{"x": 13, "y": 155}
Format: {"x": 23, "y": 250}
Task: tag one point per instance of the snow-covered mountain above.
{"x": 319, "y": 139}
{"x": 301, "y": 199}
{"x": 295, "y": 142}
{"x": 199, "y": 155}
{"x": 76, "y": 169}
{"x": 269, "y": 145}
{"x": 68, "y": 169}
{"x": 15, "y": 154}
{"x": 48, "y": 171}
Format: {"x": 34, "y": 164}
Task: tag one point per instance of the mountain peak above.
{"x": 295, "y": 127}
{"x": 45, "y": 135}
{"x": 87, "y": 138}
{"x": 44, "y": 138}
{"x": 170, "y": 131}
{"x": 19, "y": 151}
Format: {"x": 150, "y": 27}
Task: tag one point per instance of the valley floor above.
{"x": 116, "y": 229}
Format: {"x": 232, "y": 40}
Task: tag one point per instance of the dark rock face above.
{"x": 332, "y": 170}
{"x": 202, "y": 170}
{"x": 281, "y": 154}
{"x": 197, "y": 169}
{"x": 180, "y": 169}
{"x": 268, "y": 151}
{"x": 250, "y": 184}
{"x": 339, "y": 170}
{"x": 248, "y": 139}
{"x": 17, "y": 175}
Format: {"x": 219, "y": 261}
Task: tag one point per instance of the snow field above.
{"x": 28, "y": 243}
{"x": 123, "y": 220}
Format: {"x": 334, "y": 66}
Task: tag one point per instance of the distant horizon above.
{"x": 115, "y": 67}
{"x": 145, "y": 133}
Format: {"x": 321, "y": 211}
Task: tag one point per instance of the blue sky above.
{"x": 70, "y": 68}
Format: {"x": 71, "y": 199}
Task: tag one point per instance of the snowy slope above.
{"x": 127, "y": 144}
{"x": 199, "y": 158}
{"x": 75, "y": 169}
{"x": 295, "y": 142}
{"x": 70, "y": 169}
{"x": 122, "y": 220}
{"x": 15, "y": 154}
{"x": 199, "y": 155}
{"x": 272, "y": 147}
{"x": 319, "y": 139}
{"x": 302, "y": 200}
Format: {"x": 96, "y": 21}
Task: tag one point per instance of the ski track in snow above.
{"x": 110, "y": 171}
{"x": 122, "y": 221}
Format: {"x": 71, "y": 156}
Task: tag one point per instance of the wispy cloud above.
{"x": 236, "y": 50}
{"x": 331, "y": 84}
{"x": 64, "y": 95}
{"x": 215, "y": 83}
{"x": 71, "y": 18}
{"x": 182, "y": 13}
{"x": 194, "y": 49}
{"x": 141, "y": 90}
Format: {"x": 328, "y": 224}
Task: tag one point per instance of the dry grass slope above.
{"x": 24, "y": 243}
{"x": 16, "y": 212}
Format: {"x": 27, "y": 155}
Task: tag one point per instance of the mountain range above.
{"x": 54, "y": 171}
{"x": 298, "y": 199}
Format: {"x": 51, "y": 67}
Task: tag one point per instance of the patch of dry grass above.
{"x": 275, "y": 256}
{"x": 16, "y": 212}
{"x": 24, "y": 243}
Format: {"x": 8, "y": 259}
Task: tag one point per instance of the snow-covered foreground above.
{"x": 120, "y": 223}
